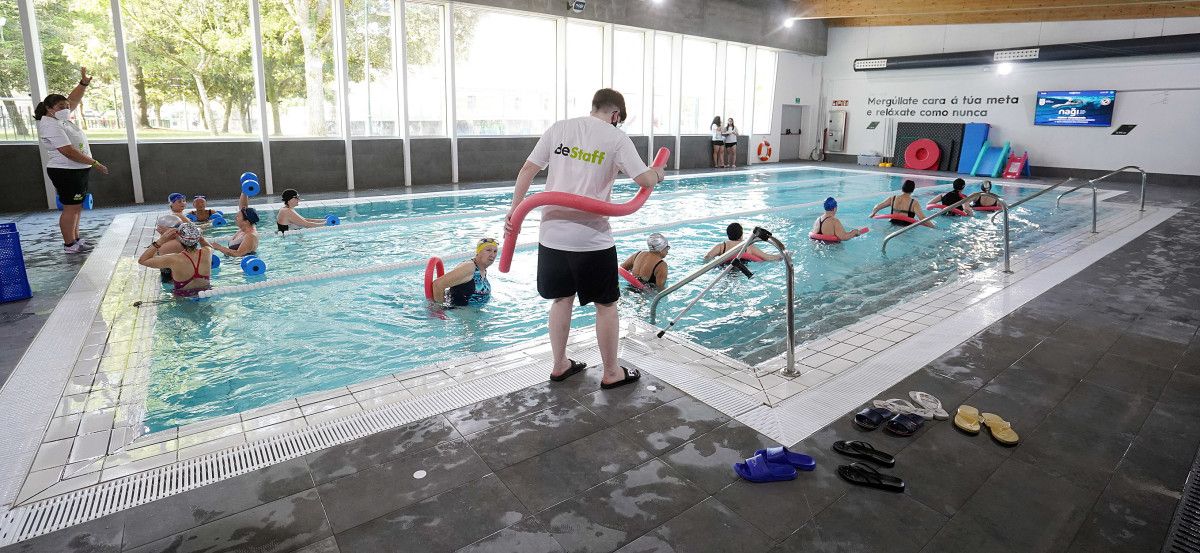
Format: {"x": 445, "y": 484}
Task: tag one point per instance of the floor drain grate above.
{"x": 1184, "y": 536}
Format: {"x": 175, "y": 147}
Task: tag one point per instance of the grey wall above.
{"x": 21, "y": 185}
{"x": 199, "y": 167}
{"x": 492, "y": 158}
{"x": 431, "y": 160}
{"x": 748, "y": 21}
{"x": 308, "y": 165}
{"x": 115, "y": 188}
{"x": 378, "y": 163}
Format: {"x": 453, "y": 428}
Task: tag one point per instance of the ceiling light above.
{"x": 1004, "y": 68}
{"x": 788, "y": 22}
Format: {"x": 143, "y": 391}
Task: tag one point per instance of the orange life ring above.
{"x": 764, "y": 150}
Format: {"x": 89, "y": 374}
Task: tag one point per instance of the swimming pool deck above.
{"x": 663, "y": 441}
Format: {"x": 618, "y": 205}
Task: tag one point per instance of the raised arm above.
{"x": 881, "y": 205}
{"x": 76, "y": 95}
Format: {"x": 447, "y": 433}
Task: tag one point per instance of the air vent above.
{"x": 1014, "y": 55}
{"x": 1184, "y": 536}
{"x": 880, "y": 63}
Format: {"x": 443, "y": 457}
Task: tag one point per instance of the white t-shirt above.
{"x": 55, "y": 134}
{"x": 584, "y": 155}
{"x": 731, "y": 136}
{"x": 716, "y": 131}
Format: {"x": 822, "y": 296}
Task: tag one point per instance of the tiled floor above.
{"x": 1105, "y": 393}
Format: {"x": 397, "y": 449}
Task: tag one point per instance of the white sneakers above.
{"x": 80, "y": 246}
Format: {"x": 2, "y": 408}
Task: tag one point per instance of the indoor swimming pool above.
{"x": 248, "y": 349}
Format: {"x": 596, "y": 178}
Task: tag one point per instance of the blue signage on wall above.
{"x": 1075, "y": 108}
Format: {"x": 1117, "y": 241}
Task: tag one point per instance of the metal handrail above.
{"x": 999, "y": 201}
{"x": 1136, "y": 168}
{"x": 1027, "y": 198}
{"x": 1095, "y": 201}
{"x": 758, "y": 234}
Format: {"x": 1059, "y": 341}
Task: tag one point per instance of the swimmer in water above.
{"x": 650, "y": 267}
{"x": 734, "y": 233}
{"x": 829, "y": 225}
{"x": 467, "y": 284}
{"x": 953, "y": 196}
{"x": 288, "y": 217}
{"x": 903, "y": 204}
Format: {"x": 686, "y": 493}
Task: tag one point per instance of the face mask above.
{"x": 63, "y": 115}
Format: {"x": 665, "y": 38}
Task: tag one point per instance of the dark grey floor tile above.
{"x": 974, "y": 364}
{"x": 1069, "y": 359}
{"x": 1173, "y": 423}
{"x": 192, "y": 508}
{"x": 526, "y": 536}
{"x": 1127, "y": 517}
{"x": 444, "y": 522}
{"x": 102, "y": 535}
{"x": 777, "y": 509}
{"x": 1119, "y": 373}
{"x": 1022, "y": 396}
{"x": 1149, "y": 349}
{"x": 629, "y": 401}
{"x": 1040, "y": 319}
{"x": 1085, "y": 456}
{"x": 869, "y": 520}
{"x": 1190, "y": 363}
{"x": 327, "y": 545}
{"x": 708, "y": 459}
{"x": 490, "y": 412}
{"x": 510, "y": 443}
{"x": 1156, "y": 464}
{"x": 362, "y": 496}
{"x": 363, "y": 453}
{"x": 1019, "y": 508}
{"x": 618, "y": 511}
{"x": 1183, "y": 391}
{"x": 671, "y": 424}
{"x": 559, "y": 474}
{"x": 1099, "y": 335}
{"x": 282, "y": 525}
{"x": 708, "y": 527}
{"x": 802, "y": 541}
{"x": 1156, "y": 325}
{"x": 1100, "y": 408}
{"x": 945, "y": 467}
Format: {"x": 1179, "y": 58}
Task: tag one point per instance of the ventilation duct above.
{"x": 1151, "y": 46}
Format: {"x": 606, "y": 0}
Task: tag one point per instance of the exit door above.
{"x": 790, "y": 135}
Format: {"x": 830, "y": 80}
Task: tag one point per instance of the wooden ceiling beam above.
{"x": 845, "y": 9}
{"x": 1148, "y": 11}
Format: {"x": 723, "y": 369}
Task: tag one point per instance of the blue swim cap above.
{"x": 175, "y": 196}
{"x": 830, "y": 204}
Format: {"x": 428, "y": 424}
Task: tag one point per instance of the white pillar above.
{"x": 451, "y": 95}
{"x": 260, "y": 89}
{"x": 37, "y": 79}
{"x": 400, "y": 63}
{"x": 648, "y": 43}
{"x": 135, "y": 170}
{"x": 342, "y": 71}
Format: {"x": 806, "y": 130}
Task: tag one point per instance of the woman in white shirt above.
{"x": 68, "y": 159}
{"x": 731, "y": 138}
{"x": 718, "y": 142}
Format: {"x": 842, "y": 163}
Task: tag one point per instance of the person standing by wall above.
{"x": 68, "y": 159}
{"x": 731, "y": 138}
{"x": 576, "y": 252}
{"x": 718, "y": 142}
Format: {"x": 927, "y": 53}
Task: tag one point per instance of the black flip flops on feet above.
{"x": 631, "y": 376}
{"x": 576, "y": 367}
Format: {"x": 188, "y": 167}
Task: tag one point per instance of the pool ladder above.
{"x": 759, "y": 234}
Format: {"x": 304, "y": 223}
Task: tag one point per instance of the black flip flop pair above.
{"x": 631, "y": 375}
{"x": 903, "y": 425}
{"x": 863, "y": 474}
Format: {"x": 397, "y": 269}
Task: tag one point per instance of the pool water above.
{"x": 236, "y": 352}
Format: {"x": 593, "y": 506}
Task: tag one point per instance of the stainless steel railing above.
{"x": 1027, "y": 198}
{"x": 999, "y": 201}
{"x": 757, "y": 235}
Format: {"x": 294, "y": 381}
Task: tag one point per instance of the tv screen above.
{"x": 1075, "y": 108}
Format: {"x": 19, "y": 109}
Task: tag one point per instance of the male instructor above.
{"x": 576, "y": 252}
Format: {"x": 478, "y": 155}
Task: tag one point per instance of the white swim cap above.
{"x": 168, "y": 221}
{"x": 657, "y": 242}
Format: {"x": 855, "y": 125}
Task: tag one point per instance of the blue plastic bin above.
{"x": 14, "y": 281}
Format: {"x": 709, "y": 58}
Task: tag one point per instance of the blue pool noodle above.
{"x": 248, "y": 176}
{"x": 253, "y": 266}
{"x": 332, "y": 220}
{"x": 250, "y": 187}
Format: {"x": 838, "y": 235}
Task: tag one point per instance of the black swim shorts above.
{"x": 71, "y": 184}
{"x": 591, "y": 275}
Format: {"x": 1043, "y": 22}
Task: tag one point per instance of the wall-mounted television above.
{"x": 1075, "y": 108}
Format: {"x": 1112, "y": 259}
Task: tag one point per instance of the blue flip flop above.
{"x": 758, "y": 469}
{"x": 783, "y": 456}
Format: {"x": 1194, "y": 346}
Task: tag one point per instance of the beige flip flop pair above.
{"x": 969, "y": 420}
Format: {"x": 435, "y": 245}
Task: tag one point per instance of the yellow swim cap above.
{"x": 485, "y": 242}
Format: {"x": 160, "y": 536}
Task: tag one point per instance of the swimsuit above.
{"x": 651, "y": 280}
{"x": 911, "y": 213}
{"x": 179, "y": 285}
{"x": 476, "y": 291}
